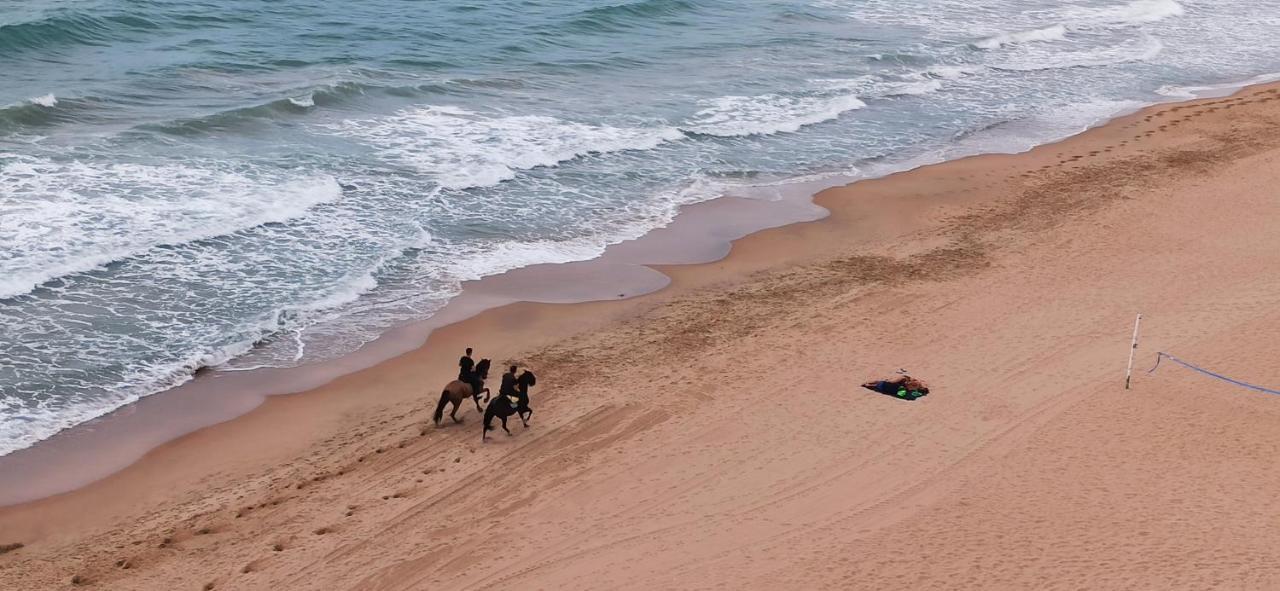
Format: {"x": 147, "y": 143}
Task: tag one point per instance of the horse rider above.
{"x": 508, "y": 387}
{"x": 466, "y": 366}
{"x": 467, "y": 372}
{"x": 524, "y": 382}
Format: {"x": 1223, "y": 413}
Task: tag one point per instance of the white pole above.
{"x": 1128, "y": 372}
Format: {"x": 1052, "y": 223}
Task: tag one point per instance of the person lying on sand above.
{"x": 902, "y": 386}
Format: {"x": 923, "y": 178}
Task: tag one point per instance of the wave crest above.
{"x": 47, "y": 100}
{"x": 462, "y": 149}
{"x": 739, "y": 116}
{"x": 70, "y": 29}
{"x": 1053, "y": 33}
{"x": 616, "y": 17}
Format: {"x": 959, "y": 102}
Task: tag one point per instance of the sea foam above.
{"x": 1139, "y": 49}
{"x": 1134, "y": 13}
{"x": 1086, "y": 19}
{"x": 70, "y": 217}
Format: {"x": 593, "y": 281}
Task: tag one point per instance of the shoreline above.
{"x": 107, "y": 444}
{"x": 78, "y": 456}
{"x": 896, "y": 255}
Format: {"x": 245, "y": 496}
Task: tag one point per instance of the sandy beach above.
{"x": 712, "y": 434}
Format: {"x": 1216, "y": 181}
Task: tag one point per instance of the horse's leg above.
{"x": 526, "y": 415}
{"x": 454, "y": 415}
{"x": 486, "y": 396}
{"x": 504, "y": 425}
{"x": 444, "y": 399}
{"x": 476, "y": 399}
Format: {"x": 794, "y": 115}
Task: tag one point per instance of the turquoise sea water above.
{"x": 180, "y": 181}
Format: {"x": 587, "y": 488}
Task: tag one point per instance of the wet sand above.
{"x": 712, "y": 435}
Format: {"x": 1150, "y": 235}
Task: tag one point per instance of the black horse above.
{"x": 457, "y": 390}
{"x": 503, "y": 407}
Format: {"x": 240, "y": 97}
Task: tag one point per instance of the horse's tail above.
{"x": 488, "y": 419}
{"x": 444, "y": 399}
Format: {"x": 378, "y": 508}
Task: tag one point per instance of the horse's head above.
{"x": 527, "y": 378}
{"x": 482, "y": 369}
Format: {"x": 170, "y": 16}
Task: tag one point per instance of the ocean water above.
{"x": 240, "y": 183}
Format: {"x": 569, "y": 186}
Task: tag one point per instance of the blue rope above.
{"x": 1204, "y": 371}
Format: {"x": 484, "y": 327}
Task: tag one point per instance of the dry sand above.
{"x": 712, "y": 435}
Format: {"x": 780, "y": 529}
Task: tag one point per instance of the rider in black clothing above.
{"x": 509, "y": 383}
{"x": 466, "y": 366}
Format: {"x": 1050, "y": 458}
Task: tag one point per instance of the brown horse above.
{"x": 458, "y": 390}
